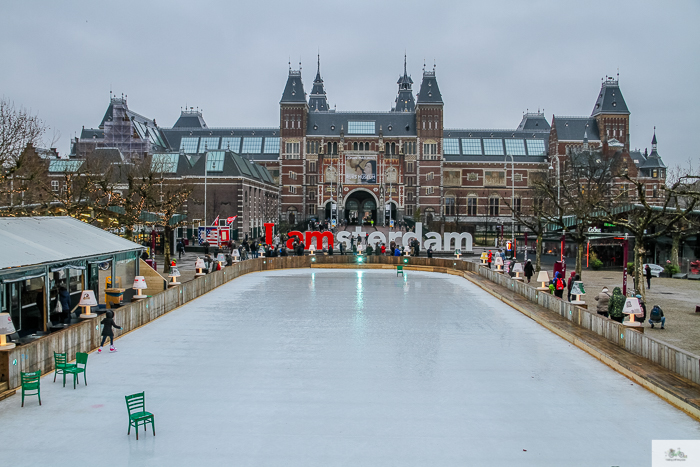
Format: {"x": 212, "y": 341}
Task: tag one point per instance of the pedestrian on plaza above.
{"x": 647, "y": 272}
{"x": 559, "y": 285}
{"x": 397, "y": 252}
{"x": 283, "y": 250}
{"x": 572, "y": 278}
{"x": 657, "y": 316}
{"x": 180, "y": 249}
{"x": 330, "y": 249}
{"x": 616, "y": 305}
{"x": 641, "y": 318}
{"x": 529, "y": 270}
{"x": 430, "y": 251}
{"x": 144, "y": 255}
{"x": 603, "y": 299}
{"x": 206, "y": 247}
{"x": 64, "y": 300}
{"x": 107, "y": 331}
{"x": 490, "y": 258}
{"x": 383, "y": 249}
{"x": 341, "y": 247}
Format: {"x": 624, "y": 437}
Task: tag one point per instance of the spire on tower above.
{"x": 405, "y": 101}
{"x": 317, "y": 99}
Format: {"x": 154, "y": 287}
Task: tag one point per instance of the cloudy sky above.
{"x": 494, "y": 59}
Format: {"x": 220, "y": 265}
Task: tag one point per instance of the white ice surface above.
{"x": 344, "y": 368}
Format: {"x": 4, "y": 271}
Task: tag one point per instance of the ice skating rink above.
{"x": 325, "y": 367}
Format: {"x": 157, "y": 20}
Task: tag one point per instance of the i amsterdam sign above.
{"x": 449, "y": 241}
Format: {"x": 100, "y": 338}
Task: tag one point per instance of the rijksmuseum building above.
{"x": 399, "y": 163}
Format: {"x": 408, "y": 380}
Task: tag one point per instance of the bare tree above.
{"x": 18, "y": 129}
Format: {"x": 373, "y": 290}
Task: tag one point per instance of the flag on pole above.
{"x": 229, "y": 220}
{"x": 216, "y": 221}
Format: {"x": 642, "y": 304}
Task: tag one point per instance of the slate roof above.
{"x": 573, "y": 128}
{"x": 429, "y": 92}
{"x": 89, "y": 133}
{"x": 610, "y": 100}
{"x": 317, "y": 99}
{"x": 653, "y": 161}
{"x": 534, "y": 122}
{"x": 294, "y": 89}
{"x": 637, "y": 157}
{"x": 392, "y": 124}
{"x": 110, "y": 155}
{"x": 190, "y": 119}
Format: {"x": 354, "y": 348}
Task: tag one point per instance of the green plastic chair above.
{"x": 60, "y": 365}
{"x": 75, "y": 370}
{"x": 30, "y": 382}
{"x": 136, "y": 405}
{"x": 399, "y": 269}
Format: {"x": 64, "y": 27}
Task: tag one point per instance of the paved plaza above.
{"x": 325, "y": 367}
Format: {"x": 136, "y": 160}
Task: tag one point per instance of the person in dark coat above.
{"x": 64, "y": 299}
{"x": 647, "y": 272}
{"x": 529, "y": 270}
{"x": 430, "y": 252}
{"x": 107, "y": 331}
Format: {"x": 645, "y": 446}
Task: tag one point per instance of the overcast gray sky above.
{"x": 495, "y": 59}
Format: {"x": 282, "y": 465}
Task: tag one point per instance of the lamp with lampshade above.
{"x": 517, "y": 269}
{"x": 174, "y": 274}
{"x": 87, "y": 300}
{"x": 543, "y": 278}
{"x": 458, "y": 253}
{"x": 199, "y": 265}
{"x": 484, "y": 257}
{"x": 499, "y": 264}
{"x": 632, "y": 309}
{"x": 578, "y": 290}
{"x": 139, "y": 285}
{"x": 6, "y": 328}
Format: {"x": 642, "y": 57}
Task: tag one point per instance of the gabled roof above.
{"x": 70, "y": 239}
{"x": 574, "y": 128}
{"x": 610, "y": 100}
{"x": 294, "y": 89}
{"x": 429, "y": 91}
{"x": 110, "y": 155}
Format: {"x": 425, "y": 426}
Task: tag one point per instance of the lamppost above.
{"x": 556, "y": 158}
{"x": 512, "y": 200}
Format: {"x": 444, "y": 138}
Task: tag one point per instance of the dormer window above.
{"x": 655, "y": 174}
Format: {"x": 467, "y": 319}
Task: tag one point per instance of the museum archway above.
{"x": 360, "y": 207}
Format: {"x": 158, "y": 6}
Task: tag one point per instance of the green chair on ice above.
{"x": 30, "y": 384}
{"x": 399, "y": 269}
{"x": 60, "y": 365}
{"x": 136, "y": 405}
{"x": 80, "y": 359}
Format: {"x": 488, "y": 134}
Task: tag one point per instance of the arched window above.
{"x": 393, "y": 148}
{"x": 354, "y": 146}
{"x": 292, "y": 215}
{"x": 472, "y": 205}
{"x": 494, "y": 206}
{"x": 387, "y": 149}
{"x": 330, "y": 148}
{"x": 335, "y": 149}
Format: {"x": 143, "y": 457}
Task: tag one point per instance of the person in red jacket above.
{"x": 490, "y": 258}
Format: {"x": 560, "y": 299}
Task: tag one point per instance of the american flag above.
{"x": 209, "y": 234}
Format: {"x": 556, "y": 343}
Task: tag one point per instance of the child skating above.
{"x": 107, "y": 331}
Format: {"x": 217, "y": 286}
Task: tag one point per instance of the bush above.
{"x": 630, "y": 269}
{"x": 595, "y": 263}
{"x": 670, "y": 270}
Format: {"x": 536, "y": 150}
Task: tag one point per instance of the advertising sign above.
{"x": 360, "y": 170}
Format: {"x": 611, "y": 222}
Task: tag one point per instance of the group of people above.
{"x": 612, "y": 306}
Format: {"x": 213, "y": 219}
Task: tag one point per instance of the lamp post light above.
{"x": 551, "y": 167}
{"x": 512, "y": 199}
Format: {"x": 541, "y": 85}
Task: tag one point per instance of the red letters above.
{"x": 319, "y": 239}
{"x": 268, "y": 232}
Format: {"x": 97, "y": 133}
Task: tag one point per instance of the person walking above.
{"x": 107, "y": 331}
{"x": 529, "y": 270}
{"x": 490, "y": 258}
{"x": 616, "y": 305}
{"x": 559, "y": 285}
{"x": 647, "y": 272}
{"x": 180, "y": 249}
{"x": 569, "y": 284}
{"x": 603, "y": 299}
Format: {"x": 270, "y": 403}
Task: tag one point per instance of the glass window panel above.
{"x": 208, "y": 143}
{"x": 165, "y": 163}
{"x": 493, "y": 147}
{"x": 471, "y": 146}
{"x": 450, "y": 146}
{"x": 231, "y": 143}
{"x": 215, "y": 161}
{"x": 272, "y": 145}
{"x": 252, "y": 146}
{"x": 64, "y": 166}
{"x": 140, "y": 129}
{"x": 515, "y": 147}
{"x": 535, "y": 147}
{"x": 189, "y": 145}
{"x": 361, "y": 128}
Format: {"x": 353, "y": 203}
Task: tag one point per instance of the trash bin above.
{"x": 560, "y": 266}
